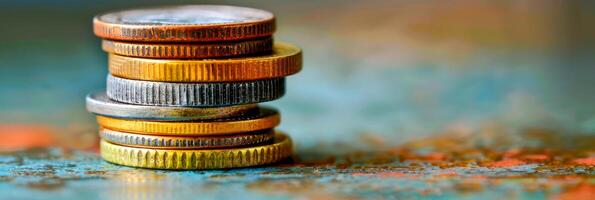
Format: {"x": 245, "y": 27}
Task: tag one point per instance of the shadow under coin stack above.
{"x": 184, "y": 85}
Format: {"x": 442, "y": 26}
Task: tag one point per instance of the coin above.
{"x": 285, "y": 60}
{"x": 189, "y": 50}
{"x": 181, "y": 142}
{"x": 280, "y": 149}
{"x": 194, "y": 94}
{"x": 266, "y": 118}
{"x": 189, "y": 23}
{"x": 100, "y": 104}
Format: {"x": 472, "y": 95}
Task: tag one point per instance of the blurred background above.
{"x": 380, "y": 72}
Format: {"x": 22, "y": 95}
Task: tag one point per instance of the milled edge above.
{"x": 189, "y": 50}
{"x": 170, "y": 142}
{"x": 194, "y": 94}
{"x": 197, "y": 159}
{"x": 206, "y": 71}
{"x": 265, "y": 119}
{"x": 183, "y": 33}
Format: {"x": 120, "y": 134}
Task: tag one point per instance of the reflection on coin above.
{"x": 285, "y": 60}
{"x": 194, "y": 94}
{"x": 266, "y": 118}
{"x": 182, "y": 142}
{"x": 188, "y": 23}
{"x": 280, "y": 149}
{"x": 100, "y": 104}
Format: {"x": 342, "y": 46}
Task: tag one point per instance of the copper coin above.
{"x": 189, "y": 23}
{"x": 190, "y": 50}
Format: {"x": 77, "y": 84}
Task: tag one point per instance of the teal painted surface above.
{"x": 47, "y": 174}
{"x": 428, "y": 169}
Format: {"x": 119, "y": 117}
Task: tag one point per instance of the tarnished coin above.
{"x": 98, "y": 103}
{"x": 194, "y": 94}
{"x": 285, "y": 60}
{"x": 182, "y": 142}
{"x": 266, "y": 118}
{"x": 189, "y": 50}
{"x": 189, "y": 23}
{"x": 280, "y": 149}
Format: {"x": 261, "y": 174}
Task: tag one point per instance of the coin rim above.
{"x": 109, "y": 108}
{"x": 108, "y": 30}
{"x": 278, "y": 65}
{"x": 272, "y": 16}
{"x": 246, "y": 139}
{"x": 214, "y": 94}
{"x": 149, "y": 50}
{"x": 267, "y": 118}
{"x": 212, "y": 159}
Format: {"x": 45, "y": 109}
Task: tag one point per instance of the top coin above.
{"x": 190, "y": 23}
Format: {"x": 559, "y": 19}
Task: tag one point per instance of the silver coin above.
{"x": 98, "y": 103}
{"x": 194, "y": 94}
{"x": 187, "y": 15}
{"x": 178, "y": 142}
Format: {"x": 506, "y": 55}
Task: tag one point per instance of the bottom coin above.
{"x": 280, "y": 149}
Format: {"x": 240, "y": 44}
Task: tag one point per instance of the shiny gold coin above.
{"x": 285, "y": 60}
{"x": 185, "y": 142}
{"x": 189, "y": 50}
{"x": 263, "y": 119}
{"x": 186, "y": 23}
{"x": 198, "y": 159}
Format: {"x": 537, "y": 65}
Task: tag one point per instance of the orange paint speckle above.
{"x": 449, "y": 174}
{"x": 506, "y": 163}
{"x": 437, "y": 156}
{"x": 536, "y": 157}
{"x": 383, "y": 174}
{"x": 480, "y": 177}
{"x": 25, "y": 136}
{"x": 583, "y": 191}
{"x": 585, "y": 161}
{"x": 391, "y": 174}
{"x": 511, "y": 153}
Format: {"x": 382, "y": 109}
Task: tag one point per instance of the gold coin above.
{"x": 285, "y": 60}
{"x": 187, "y": 23}
{"x": 263, "y": 119}
{"x": 198, "y": 159}
{"x": 189, "y": 50}
{"x": 185, "y": 142}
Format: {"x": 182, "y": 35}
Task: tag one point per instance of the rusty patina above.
{"x": 535, "y": 164}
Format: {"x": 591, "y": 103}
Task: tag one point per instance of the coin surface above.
{"x": 98, "y": 103}
{"x": 187, "y": 23}
{"x": 194, "y": 94}
{"x": 285, "y": 60}
{"x": 266, "y": 118}
{"x": 280, "y": 149}
{"x": 181, "y": 142}
{"x": 189, "y": 50}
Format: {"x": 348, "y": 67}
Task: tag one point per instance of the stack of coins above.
{"x": 184, "y": 85}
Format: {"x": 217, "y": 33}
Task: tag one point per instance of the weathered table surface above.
{"x": 446, "y": 166}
